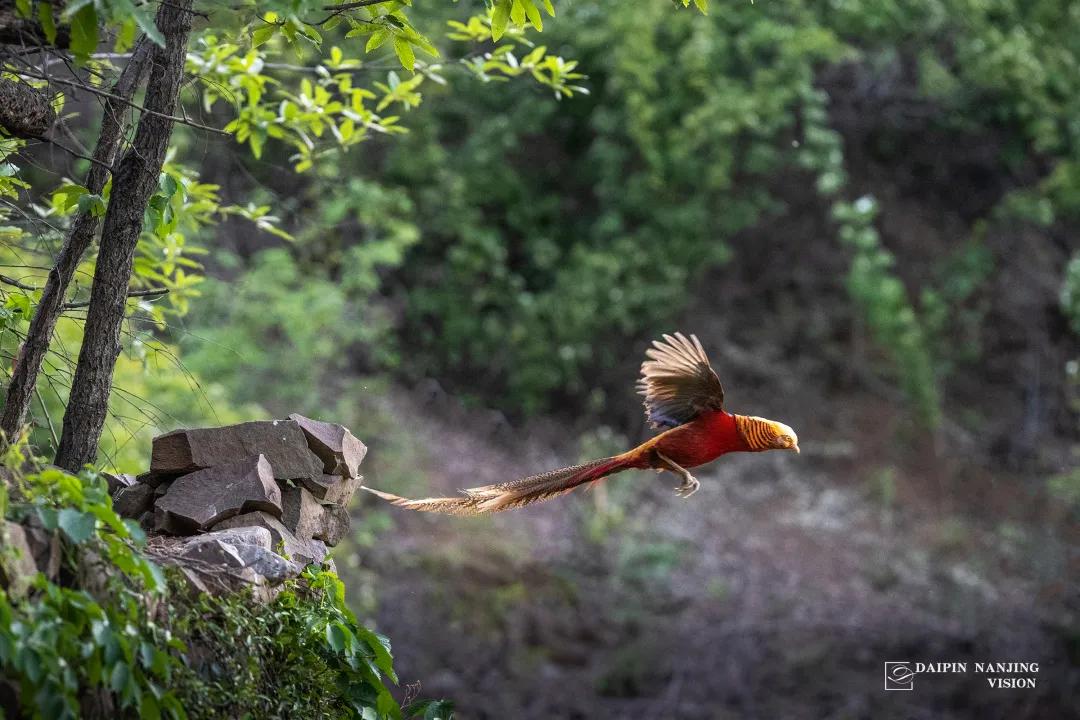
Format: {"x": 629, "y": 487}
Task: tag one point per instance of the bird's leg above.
{"x": 690, "y": 483}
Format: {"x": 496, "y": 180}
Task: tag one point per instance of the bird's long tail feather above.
{"x": 514, "y": 494}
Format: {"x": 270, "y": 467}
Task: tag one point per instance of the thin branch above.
{"x": 353, "y": 5}
{"x": 150, "y": 292}
{"x": 74, "y": 153}
{"x": 48, "y": 420}
{"x": 336, "y": 10}
{"x": 111, "y": 96}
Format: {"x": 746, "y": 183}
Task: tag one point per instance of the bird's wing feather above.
{"x": 677, "y": 381}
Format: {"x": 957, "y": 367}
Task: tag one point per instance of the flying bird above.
{"x": 682, "y": 394}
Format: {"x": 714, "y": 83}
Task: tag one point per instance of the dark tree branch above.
{"x": 134, "y": 182}
{"x": 127, "y": 101}
{"x": 354, "y": 5}
{"x": 149, "y": 292}
{"x": 336, "y": 10}
{"x": 78, "y": 238}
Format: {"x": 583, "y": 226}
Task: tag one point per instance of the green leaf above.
{"x": 76, "y": 524}
{"x": 263, "y": 34}
{"x": 703, "y": 6}
{"x": 125, "y": 36}
{"x": 380, "y": 645}
{"x": 92, "y": 204}
{"x": 376, "y": 40}
{"x": 405, "y": 53}
{"x": 500, "y": 16}
{"x": 148, "y": 707}
{"x": 533, "y": 14}
{"x": 45, "y": 16}
{"x": 47, "y": 516}
{"x": 517, "y": 13}
{"x": 66, "y": 197}
{"x": 335, "y": 638}
{"x": 84, "y": 33}
{"x": 145, "y": 21}
{"x": 120, "y": 676}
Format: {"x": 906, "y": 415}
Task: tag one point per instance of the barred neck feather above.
{"x": 758, "y": 433}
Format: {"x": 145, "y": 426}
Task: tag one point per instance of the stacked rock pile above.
{"x": 249, "y": 503}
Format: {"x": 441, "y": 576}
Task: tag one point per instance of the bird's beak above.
{"x": 795, "y": 448}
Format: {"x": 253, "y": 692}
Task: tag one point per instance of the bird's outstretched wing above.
{"x": 677, "y": 381}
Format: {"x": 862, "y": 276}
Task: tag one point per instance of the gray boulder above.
{"x": 282, "y": 442}
{"x": 283, "y": 540}
{"x": 339, "y": 450}
{"x": 133, "y": 500}
{"x": 202, "y": 499}
{"x": 333, "y": 488}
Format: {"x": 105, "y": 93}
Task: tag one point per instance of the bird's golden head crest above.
{"x": 764, "y": 434}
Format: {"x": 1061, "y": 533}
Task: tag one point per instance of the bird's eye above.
{"x": 785, "y": 440}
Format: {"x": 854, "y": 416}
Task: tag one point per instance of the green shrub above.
{"x": 148, "y": 644}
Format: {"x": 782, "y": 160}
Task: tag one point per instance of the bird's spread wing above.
{"x": 677, "y": 381}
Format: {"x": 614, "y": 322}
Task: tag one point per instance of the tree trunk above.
{"x": 133, "y": 184}
{"x": 79, "y": 236}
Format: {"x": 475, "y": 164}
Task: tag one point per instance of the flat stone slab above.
{"x": 333, "y": 489}
{"x": 301, "y": 512}
{"x": 237, "y": 549}
{"x": 335, "y": 445}
{"x": 132, "y": 501}
{"x": 284, "y": 541}
{"x": 333, "y": 525}
{"x": 17, "y": 566}
{"x": 116, "y": 481}
{"x": 201, "y": 499}
{"x": 282, "y": 442}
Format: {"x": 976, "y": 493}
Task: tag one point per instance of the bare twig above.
{"x": 48, "y": 420}
{"x": 149, "y": 292}
{"x": 129, "y": 103}
{"x": 353, "y": 5}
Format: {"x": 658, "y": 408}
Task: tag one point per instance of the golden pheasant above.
{"x": 682, "y": 393}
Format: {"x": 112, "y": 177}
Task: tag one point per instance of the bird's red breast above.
{"x": 702, "y": 440}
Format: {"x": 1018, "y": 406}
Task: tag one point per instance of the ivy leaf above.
{"x": 47, "y": 516}
{"x": 76, "y": 524}
{"x": 430, "y": 709}
{"x": 335, "y": 638}
{"x": 121, "y": 675}
{"x": 380, "y": 645}
{"x": 405, "y": 53}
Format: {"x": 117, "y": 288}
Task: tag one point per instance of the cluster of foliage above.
{"x": 157, "y": 648}
{"x": 554, "y": 231}
{"x": 60, "y": 643}
{"x": 278, "y": 74}
{"x": 303, "y": 655}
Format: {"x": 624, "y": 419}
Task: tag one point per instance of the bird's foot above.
{"x": 689, "y": 486}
